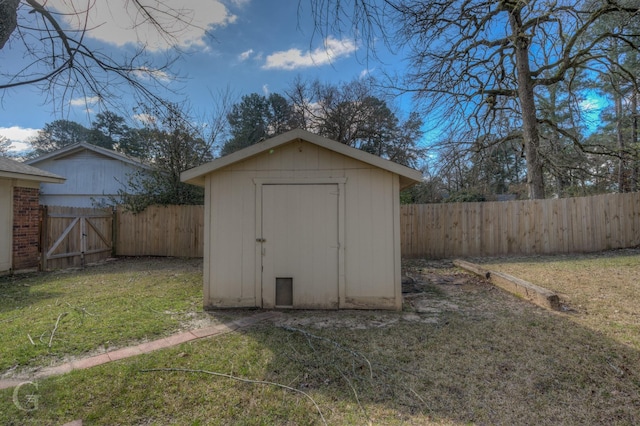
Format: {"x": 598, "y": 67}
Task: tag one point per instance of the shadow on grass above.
{"x": 17, "y": 292}
{"x": 20, "y": 290}
{"x": 527, "y": 367}
{"x": 487, "y": 359}
{"x": 560, "y": 257}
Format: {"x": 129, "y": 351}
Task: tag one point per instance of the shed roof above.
{"x": 195, "y": 176}
{"x": 68, "y": 150}
{"x": 12, "y": 169}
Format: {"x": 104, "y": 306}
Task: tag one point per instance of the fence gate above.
{"x": 73, "y": 236}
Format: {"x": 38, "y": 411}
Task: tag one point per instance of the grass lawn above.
{"x": 461, "y": 352}
{"x": 101, "y": 307}
{"x": 602, "y": 291}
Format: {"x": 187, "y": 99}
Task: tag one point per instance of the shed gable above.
{"x": 298, "y": 156}
{"x": 196, "y": 176}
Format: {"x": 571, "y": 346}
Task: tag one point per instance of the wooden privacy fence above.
{"x": 161, "y": 231}
{"x": 565, "y": 225}
{"x": 72, "y": 236}
{"x": 75, "y": 236}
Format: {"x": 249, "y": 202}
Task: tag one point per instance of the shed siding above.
{"x": 89, "y": 176}
{"x": 231, "y": 241}
{"x": 233, "y": 261}
{"x": 370, "y": 237}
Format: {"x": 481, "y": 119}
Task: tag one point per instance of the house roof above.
{"x": 12, "y": 169}
{"x": 196, "y": 175}
{"x": 68, "y": 150}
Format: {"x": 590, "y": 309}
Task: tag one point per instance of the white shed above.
{"x": 301, "y": 221}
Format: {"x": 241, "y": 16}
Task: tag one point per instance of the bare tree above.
{"x": 59, "y": 59}
{"x": 476, "y": 58}
{"x": 5, "y": 143}
{"x": 354, "y": 114}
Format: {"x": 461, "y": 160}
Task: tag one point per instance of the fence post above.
{"x": 83, "y": 240}
{"x": 114, "y": 231}
{"x": 44, "y": 236}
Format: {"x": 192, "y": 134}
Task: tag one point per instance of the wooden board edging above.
{"x": 521, "y": 288}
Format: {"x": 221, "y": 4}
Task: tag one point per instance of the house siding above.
{"x": 6, "y": 224}
{"x": 93, "y": 179}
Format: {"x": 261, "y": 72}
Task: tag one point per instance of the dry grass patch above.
{"x": 600, "y": 291}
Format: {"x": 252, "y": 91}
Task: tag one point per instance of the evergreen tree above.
{"x": 58, "y": 134}
{"x": 255, "y": 118}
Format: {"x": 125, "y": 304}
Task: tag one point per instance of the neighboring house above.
{"x": 94, "y": 175}
{"x": 301, "y": 221}
{"x": 19, "y": 213}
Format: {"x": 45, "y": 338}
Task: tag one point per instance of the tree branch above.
{"x": 240, "y": 379}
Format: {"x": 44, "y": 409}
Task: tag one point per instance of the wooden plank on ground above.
{"x": 524, "y": 289}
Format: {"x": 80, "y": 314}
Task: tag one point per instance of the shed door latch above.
{"x": 261, "y": 240}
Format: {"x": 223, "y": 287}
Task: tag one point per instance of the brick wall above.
{"x": 26, "y": 222}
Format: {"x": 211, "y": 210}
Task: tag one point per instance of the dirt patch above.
{"x": 431, "y": 290}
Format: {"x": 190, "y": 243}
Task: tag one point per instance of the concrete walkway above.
{"x": 143, "y": 348}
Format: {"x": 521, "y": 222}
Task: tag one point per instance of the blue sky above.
{"x": 254, "y": 46}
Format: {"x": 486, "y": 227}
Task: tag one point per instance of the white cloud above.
{"x": 592, "y": 104}
{"x": 83, "y": 102}
{"x": 265, "y": 89}
{"x": 147, "y": 73}
{"x": 239, "y": 3}
{"x": 365, "y": 73}
{"x": 19, "y": 137}
{"x": 19, "y": 147}
{"x": 292, "y": 59}
{"x": 245, "y": 55}
{"x": 120, "y": 22}
{"x": 145, "y": 118}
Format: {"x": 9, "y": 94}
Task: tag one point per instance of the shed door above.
{"x": 300, "y": 246}
{"x": 6, "y": 225}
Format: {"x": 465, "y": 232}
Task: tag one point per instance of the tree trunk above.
{"x": 622, "y": 166}
{"x": 634, "y": 139}
{"x": 561, "y": 180}
{"x": 8, "y": 19}
{"x": 530, "y": 135}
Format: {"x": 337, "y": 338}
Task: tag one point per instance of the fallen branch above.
{"x": 56, "y": 327}
{"x": 240, "y": 379}
{"x": 80, "y": 309}
{"x": 332, "y": 342}
{"x": 155, "y": 311}
{"x": 9, "y": 319}
{"x": 355, "y": 394}
{"x": 421, "y": 399}
{"x": 30, "y": 339}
